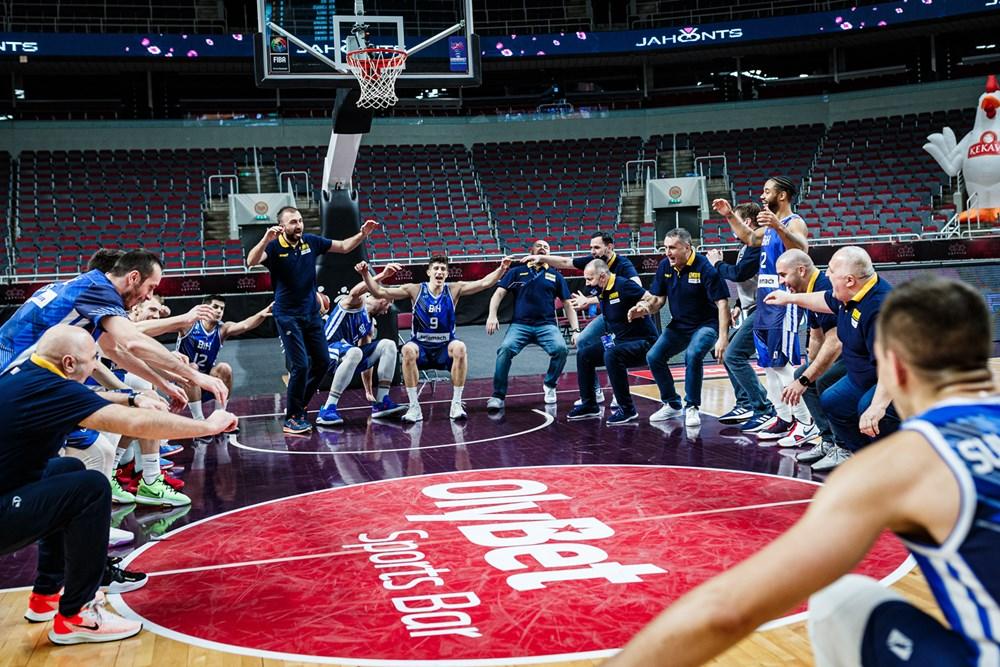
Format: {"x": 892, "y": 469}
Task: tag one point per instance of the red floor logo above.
{"x": 478, "y": 567}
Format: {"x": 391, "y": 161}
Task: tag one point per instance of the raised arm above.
{"x": 489, "y": 280}
{"x": 231, "y": 329}
{"x": 555, "y": 261}
{"x": 353, "y": 299}
{"x": 352, "y": 242}
{"x": 742, "y": 231}
{"x": 257, "y": 254}
{"x": 794, "y": 235}
{"x": 407, "y": 291}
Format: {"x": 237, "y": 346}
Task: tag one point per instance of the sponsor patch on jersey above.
{"x": 855, "y": 317}
{"x": 694, "y": 278}
{"x": 768, "y": 281}
{"x": 613, "y": 295}
{"x": 614, "y": 300}
{"x": 550, "y": 277}
{"x": 306, "y": 250}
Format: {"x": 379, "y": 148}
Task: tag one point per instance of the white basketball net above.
{"x": 377, "y": 70}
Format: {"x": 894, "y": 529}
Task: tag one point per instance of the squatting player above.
{"x": 201, "y": 343}
{"x": 350, "y": 334}
{"x": 935, "y": 483}
{"x": 434, "y": 344}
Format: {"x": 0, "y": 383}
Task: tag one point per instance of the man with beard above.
{"x": 776, "y": 328}
{"x": 290, "y": 256}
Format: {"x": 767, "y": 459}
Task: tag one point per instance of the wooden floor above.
{"x": 22, "y": 643}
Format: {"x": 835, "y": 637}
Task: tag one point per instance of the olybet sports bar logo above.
{"x": 691, "y": 35}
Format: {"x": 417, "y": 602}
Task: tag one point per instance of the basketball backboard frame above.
{"x": 281, "y": 55}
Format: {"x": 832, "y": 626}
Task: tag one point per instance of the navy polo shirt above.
{"x": 617, "y": 297}
{"x": 825, "y": 321}
{"x": 856, "y": 329}
{"x": 619, "y": 265}
{"x": 691, "y": 292}
{"x": 42, "y": 408}
{"x": 535, "y": 292}
{"x": 293, "y": 273}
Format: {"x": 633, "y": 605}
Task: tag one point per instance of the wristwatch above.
{"x": 804, "y": 381}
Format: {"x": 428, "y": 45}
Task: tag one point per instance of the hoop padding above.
{"x": 377, "y": 69}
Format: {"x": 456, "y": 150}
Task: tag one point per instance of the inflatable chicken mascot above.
{"x": 977, "y": 157}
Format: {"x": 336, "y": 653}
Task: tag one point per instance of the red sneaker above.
{"x": 174, "y": 482}
{"x": 127, "y": 477}
{"x": 42, "y": 608}
{"x": 92, "y": 624}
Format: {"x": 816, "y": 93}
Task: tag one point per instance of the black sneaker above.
{"x": 584, "y": 412}
{"x": 737, "y": 415}
{"x": 119, "y": 580}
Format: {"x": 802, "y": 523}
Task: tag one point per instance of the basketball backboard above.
{"x": 304, "y": 43}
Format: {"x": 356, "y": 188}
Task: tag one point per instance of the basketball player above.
{"x": 201, "y": 342}
{"x": 350, "y": 334}
{"x": 936, "y": 483}
{"x": 776, "y": 327}
{"x": 434, "y": 344}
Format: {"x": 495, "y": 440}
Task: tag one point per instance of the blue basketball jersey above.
{"x": 201, "y": 347}
{"x": 348, "y": 325}
{"x": 963, "y": 573}
{"x": 785, "y": 318}
{"x": 83, "y": 301}
{"x": 434, "y": 317}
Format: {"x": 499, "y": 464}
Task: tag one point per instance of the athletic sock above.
{"x": 382, "y": 391}
{"x": 411, "y": 393}
{"x": 456, "y": 396}
{"x": 150, "y": 467}
{"x": 196, "y": 413}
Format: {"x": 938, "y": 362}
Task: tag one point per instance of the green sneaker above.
{"x": 120, "y": 495}
{"x": 160, "y": 493}
{"x": 155, "y": 523}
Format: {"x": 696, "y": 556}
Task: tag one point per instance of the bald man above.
{"x": 56, "y": 502}
{"x": 858, "y": 409}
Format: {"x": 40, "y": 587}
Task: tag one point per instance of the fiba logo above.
{"x": 278, "y": 44}
{"x": 691, "y": 35}
{"x": 261, "y": 208}
{"x": 675, "y": 193}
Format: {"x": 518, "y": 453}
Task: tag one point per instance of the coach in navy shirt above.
{"x": 290, "y": 256}
{"x": 536, "y": 286}
{"x": 623, "y": 344}
{"x": 54, "y": 501}
{"x": 858, "y": 409}
{"x": 699, "y": 310}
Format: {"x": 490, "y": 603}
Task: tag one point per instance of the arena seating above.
{"x": 860, "y": 178}
{"x": 561, "y": 190}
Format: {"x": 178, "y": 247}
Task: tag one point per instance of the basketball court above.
{"x": 516, "y": 538}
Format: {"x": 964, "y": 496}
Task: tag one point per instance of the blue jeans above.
{"x": 306, "y": 358}
{"x": 736, "y": 360}
{"x": 844, "y": 403}
{"x": 812, "y": 393}
{"x": 695, "y": 344}
{"x": 546, "y": 336}
{"x": 625, "y": 354}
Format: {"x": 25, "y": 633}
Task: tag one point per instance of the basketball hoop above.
{"x": 376, "y": 69}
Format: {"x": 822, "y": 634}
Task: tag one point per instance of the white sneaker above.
{"x": 836, "y": 456}
{"x": 118, "y": 537}
{"x": 494, "y": 403}
{"x": 801, "y": 434}
{"x": 550, "y": 394}
{"x": 691, "y": 416}
{"x": 413, "y": 414}
{"x": 614, "y": 403}
{"x": 665, "y": 413}
{"x": 599, "y": 397}
{"x": 457, "y": 411}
